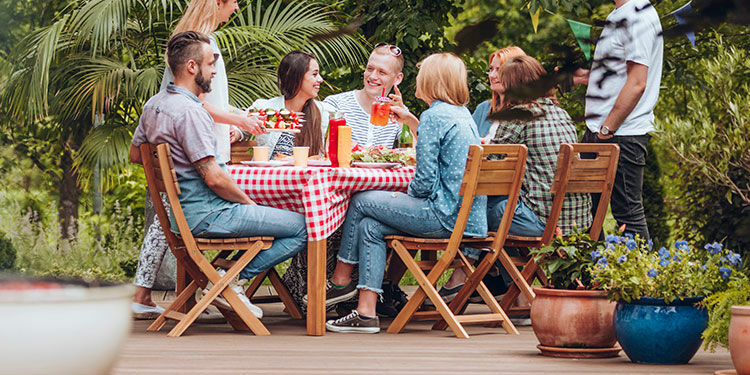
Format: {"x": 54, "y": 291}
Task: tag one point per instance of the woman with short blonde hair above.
{"x": 430, "y": 206}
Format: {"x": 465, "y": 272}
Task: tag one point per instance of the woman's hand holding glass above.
{"x": 402, "y": 115}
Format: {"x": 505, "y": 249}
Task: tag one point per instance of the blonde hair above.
{"x": 503, "y": 55}
{"x": 442, "y": 76}
{"x": 385, "y": 50}
{"x": 201, "y": 16}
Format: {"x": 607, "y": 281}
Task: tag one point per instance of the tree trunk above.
{"x": 69, "y": 196}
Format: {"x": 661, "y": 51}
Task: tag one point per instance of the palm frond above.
{"x": 98, "y": 21}
{"x": 107, "y": 146}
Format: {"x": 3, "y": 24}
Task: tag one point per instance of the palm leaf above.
{"x": 107, "y": 146}
{"x": 97, "y": 21}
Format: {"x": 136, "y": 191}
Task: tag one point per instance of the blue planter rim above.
{"x": 688, "y": 301}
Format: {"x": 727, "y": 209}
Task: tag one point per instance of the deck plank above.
{"x": 416, "y": 351}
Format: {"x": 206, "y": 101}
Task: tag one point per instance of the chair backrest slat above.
{"x": 583, "y": 168}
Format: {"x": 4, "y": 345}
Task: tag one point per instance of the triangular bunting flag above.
{"x": 680, "y": 15}
{"x": 582, "y": 32}
{"x": 535, "y": 18}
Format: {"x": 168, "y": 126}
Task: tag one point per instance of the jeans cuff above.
{"x": 365, "y": 287}
{"x": 347, "y": 261}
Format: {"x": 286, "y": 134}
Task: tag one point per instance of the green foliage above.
{"x": 653, "y": 198}
{"x": 627, "y": 269}
{"x": 706, "y": 122}
{"x": 7, "y": 253}
{"x": 567, "y": 260}
{"x": 719, "y": 312}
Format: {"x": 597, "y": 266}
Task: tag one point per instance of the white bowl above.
{"x": 72, "y": 330}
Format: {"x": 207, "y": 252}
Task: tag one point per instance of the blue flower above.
{"x": 682, "y": 245}
{"x": 622, "y": 259}
{"x": 595, "y": 254}
{"x": 650, "y": 244}
{"x": 652, "y": 273}
{"x": 734, "y": 258}
{"x": 725, "y": 272}
{"x": 629, "y": 235}
{"x": 676, "y": 258}
{"x": 602, "y": 262}
{"x": 703, "y": 267}
{"x": 713, "y": 248}
{"x": 611, "y": 238}
{"x": 664, "y": 262}
{"x": 610, "y": 246}
{"x": 631, "y": 244}
{"x": 664, "y": 253}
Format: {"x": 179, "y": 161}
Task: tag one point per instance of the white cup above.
{"x": 300, "y": 156}
{"x": 260, "y": 153}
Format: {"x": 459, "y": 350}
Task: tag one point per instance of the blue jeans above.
{"x": 374, "y": 214}
{"x": 244, "y": 220}
{"x": 525, "y": 222}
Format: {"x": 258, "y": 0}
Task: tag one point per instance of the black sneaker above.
{"x": 391, "y": 301}
{"x": 354, "y": 323}
{"x": 335, "y": 294}
{"x": 447, "y": 294}
{"x": 496, "y": 285}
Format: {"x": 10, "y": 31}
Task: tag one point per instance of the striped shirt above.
{"x": 363, "y": 132}
{"x": 550, "y": 127}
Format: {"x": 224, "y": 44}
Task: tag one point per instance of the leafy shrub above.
{"x": 567, "y": 260}
{"x": 7, "y": 253}
{"x": 719, "y": 312}
{"x": 706, "y": 122}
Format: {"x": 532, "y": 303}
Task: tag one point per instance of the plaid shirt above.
{"x": 543, "y": 134}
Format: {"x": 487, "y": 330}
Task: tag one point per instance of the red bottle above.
{"x": 336, "y": 120}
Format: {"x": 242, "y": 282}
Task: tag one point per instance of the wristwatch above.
{"x": 605, "y": 130}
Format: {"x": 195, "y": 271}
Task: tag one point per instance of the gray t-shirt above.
{"x": 175, "y": 116}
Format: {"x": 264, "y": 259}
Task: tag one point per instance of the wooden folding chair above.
{"x": 573, "y": 175}
{"x": 482, "y": 177}
{"x": 188, "y": 250}
{"x": 239, "y": 151}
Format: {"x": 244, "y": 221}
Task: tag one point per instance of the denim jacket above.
{"x": 444, "y": 135}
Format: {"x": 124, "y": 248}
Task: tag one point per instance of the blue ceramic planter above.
{"x": 651, "y": 331}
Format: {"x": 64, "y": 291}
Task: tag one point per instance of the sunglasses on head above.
{"x": 395, "y": 51}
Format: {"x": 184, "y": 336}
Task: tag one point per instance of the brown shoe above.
{"x": 335, "y": 294}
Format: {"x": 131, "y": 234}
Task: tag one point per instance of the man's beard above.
{"x": 202, "y": 82}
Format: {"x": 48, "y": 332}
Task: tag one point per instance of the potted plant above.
{"x": 729, "y": 323}
{"x": 658, "y": 318}
{"x": 57, "y": 326}
{"x": 570, "y": 318}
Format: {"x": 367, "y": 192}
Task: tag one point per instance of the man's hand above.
{"x": 581, "y": 77}
{"x": 218, "y": 181}
{"x": 397, "y": 98}
{"x": 602, "y": 136}
{"x": 135, "y": 154}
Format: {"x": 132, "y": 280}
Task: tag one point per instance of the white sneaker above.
{"x": 236, "y": 285}
{"x": 145, "y": 312}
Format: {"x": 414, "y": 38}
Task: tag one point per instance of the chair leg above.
{"x": 427, "y": 288}
{"x": 294, "y": 311}
{"x": 177, "y": 306}
{"x": 193, "y": 314}
{"x": 255, "y": 285}
{"x": 527, "y": 273}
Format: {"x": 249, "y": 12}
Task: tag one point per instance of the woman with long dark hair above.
{"x": 299, "y": 82}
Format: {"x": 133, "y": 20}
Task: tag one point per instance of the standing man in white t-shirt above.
{"x": 623, "y": 87}
{"x": 383, "y": 71}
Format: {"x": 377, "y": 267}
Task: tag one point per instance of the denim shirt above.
{"x": 480, "y": 118}
{"x": 444, "y": 135}
{"x": 175, "y": 116}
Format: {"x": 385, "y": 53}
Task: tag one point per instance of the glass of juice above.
{"x": 381, "y": 109}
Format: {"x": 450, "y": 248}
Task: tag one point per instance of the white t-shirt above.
{"x": 632, "y": 33}
{"x": 363, "y": 132}
{"x": 218, "y": 97}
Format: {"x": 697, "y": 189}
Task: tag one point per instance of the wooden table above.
{"x": 322, "y": 195}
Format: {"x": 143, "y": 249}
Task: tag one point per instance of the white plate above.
{"x": 269, "y": 163}
{"x": 362, "y": 164}
{"x": 283, "y": 130}
{"x": 318, "y": 163}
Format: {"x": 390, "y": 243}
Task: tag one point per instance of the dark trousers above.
{"x": 627, "y": 192}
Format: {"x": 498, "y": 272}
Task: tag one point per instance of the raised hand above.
{"x": 396, "y": 98}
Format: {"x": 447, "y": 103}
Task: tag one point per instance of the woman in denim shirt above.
{"x": 429, "y": 209}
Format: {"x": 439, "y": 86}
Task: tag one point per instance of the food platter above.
{"x": 282, "y": 130}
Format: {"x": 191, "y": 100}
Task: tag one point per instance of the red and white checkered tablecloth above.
{"x": 322, "y": 194}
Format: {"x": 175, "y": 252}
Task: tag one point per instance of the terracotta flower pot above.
{"x": 739, "y": 339}
{"x": 573, "y": 323}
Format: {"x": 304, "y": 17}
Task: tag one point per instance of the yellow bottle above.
{"x": 345, "y": 146}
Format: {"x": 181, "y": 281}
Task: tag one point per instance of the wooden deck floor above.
{"x": 216, "y": 349}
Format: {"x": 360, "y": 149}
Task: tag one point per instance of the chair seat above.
{"x": 520, "y": 241}
{"x": 235, "y": 240}
{"x": 431, "y": 240}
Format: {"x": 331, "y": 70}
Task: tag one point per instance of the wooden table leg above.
{"x": 316, "y": 289}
